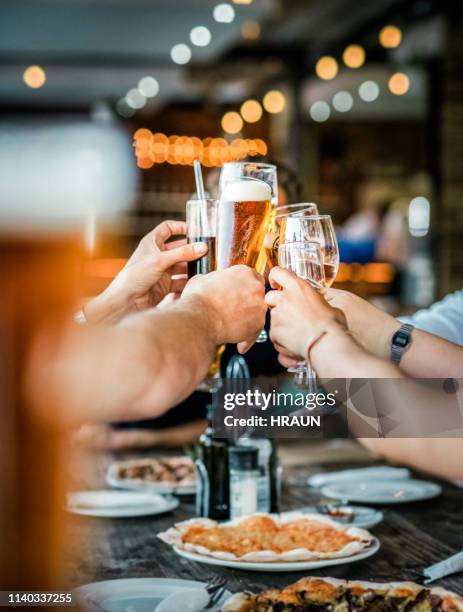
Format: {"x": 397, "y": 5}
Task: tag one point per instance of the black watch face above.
{"x": 401, "y": 339}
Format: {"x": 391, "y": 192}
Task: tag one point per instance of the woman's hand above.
{"x": 155, "y": 269}
{"x": 299, "y": 315}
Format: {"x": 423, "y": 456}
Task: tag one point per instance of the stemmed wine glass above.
{"x": 244, "y": 224}
{"x": 314, "y": 228}
{"x": 305, "y": 259}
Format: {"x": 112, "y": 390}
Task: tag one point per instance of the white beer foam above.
{"x": 246, "y": 190}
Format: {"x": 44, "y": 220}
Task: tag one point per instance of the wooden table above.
{"x": 412, "y": 537}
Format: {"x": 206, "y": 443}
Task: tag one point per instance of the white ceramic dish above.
{"x": 382, "y": 491}
{"x": 118, "y": 504}
{"x": 363, "y": 517}
{"x": 138, "y": 594}
{"x": 275, "y": 566}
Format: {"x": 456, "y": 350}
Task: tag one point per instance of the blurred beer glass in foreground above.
{"x": 56, "y": 181}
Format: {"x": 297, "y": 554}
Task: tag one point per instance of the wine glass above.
{"x": 314, "y": 228}
{"x": 305, "y": 260}
{"x": 243, "y": 224}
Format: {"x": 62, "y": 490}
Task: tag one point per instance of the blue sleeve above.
{"x": 444, "y": 318}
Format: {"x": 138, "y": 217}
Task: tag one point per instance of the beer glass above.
{"x": 314, "y": 228}
{"x": 306, "y": 261}
{"x": 248, "y": 195}
{"x": 201, "y": 223}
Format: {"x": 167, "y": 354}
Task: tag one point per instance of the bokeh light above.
{"x": 34, "y": 77}
{"x": 390, "y": 37}
{"x": 250, "y": 30}
{"x": 399, "y": 84}
{"x": 320, "y": 111}
{"x": 135, "y": 99}
{"x": 326, "y": 68}
{"x": 232, "y": 123}
{"x": 274, "y": 101}
{"x": 343, "y": 101}
{"x": 251, "y": 111}
{"x": 148, "y": 87}
{"x": 369, "y": 91}
{"x": 242, "y": 1}
{"x": 180, "y": 54}
{"x": 354, "y": 56}
{"x": 224, "y": 13}
{"x": 200, "y": 36}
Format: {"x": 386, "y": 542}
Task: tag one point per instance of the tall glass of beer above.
{"x": 248, "y": 194}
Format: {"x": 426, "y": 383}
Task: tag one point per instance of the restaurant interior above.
{"x": 105, "y": 105}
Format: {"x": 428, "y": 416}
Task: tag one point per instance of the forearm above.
{"x": 108, "y": 307}
{"x": 438, "y": 456}
{"x": 337, "y": 355}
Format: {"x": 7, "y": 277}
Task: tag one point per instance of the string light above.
{"x": 354, "y": 56}
{"x": 369, "y": 91}
{"x": 224, "y": 13}
{"x": 390, "y": 37}
{"x": 180, "y": 54}
{"x": 148, "y": 87}
{"x": 320, "y": 111}
{"x": 251, "y": 111}
{"x": 34, "y": 77}
{"x": 200, "y": 36}
{"x": 343, "y": 101}
{"x": 326, "y": 68}
{"x": 242, "y": 1}
{"x": 399, "y": 84}
{"x": 158, "y": 148}
{"x": 232, "y": 123}
{"x": 274, "y": 101}
{"x": 135, "y": 99}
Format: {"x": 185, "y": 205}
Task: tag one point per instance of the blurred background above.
{"x": 361, "y": 102}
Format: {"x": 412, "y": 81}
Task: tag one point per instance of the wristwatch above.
{"x": 401, "y": 341}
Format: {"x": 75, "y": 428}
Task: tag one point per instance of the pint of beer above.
{"x": 244, "y": 214}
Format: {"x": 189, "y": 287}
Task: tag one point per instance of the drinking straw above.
{"x": 201, "y": 196}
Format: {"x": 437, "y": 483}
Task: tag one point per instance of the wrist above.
{"x": 336, "y": 341}
{"x": 109, "y": 306}
{"x": 208, "y": 315}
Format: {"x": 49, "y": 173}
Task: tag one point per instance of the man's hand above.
{"x": 298, "y": 315}
{"x": 234, "y": 301}
{"x": 147, "y": 276}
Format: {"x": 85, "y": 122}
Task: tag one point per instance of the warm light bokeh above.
{"x": 251, "y": 111}
{"x": 399, "y": 84}
{"x": 232, "y": 123}
{"x": 34, "y": 77}
{"x": 274, "y": 101}
{"x": 326, "y": 68}
{"x": 250, "y": 30}
{"x": 159, "y": 148}
{"x": 390, "y": 37}
{"x": 354, "y": 56}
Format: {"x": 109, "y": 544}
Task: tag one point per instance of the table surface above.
{"x": 412, "y": 537}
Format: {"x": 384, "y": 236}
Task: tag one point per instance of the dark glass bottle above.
{"x": 213, "y": 490}
{"x": 274, "y": 473}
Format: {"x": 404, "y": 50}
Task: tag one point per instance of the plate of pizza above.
{"x": 309, "y": 594}
{"x": 271, "y": 542}
{"x": 173, "y": 475}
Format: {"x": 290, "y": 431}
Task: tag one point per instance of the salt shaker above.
{"x": 244, "y": 480}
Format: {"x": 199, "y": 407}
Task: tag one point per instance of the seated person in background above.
{"x": 305, "y": 326}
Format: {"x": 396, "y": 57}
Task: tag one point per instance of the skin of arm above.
{"x": 151, "y": 360}
{"x": 373, "y": 329}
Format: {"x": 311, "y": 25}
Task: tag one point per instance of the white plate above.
{"x": 384, "y": 472}
{"x": 138, "y": 484}
{"x": 363, "y": 517}
{"x": 136, "y": 594}
{"x": 290, "y": 566}
{"x": 118, "y": 504}
{"x": 382, "y": 491}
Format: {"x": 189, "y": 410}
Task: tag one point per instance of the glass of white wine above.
{"x": 305, "y": 259}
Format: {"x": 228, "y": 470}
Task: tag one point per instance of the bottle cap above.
{"x": 243, "y": 458}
